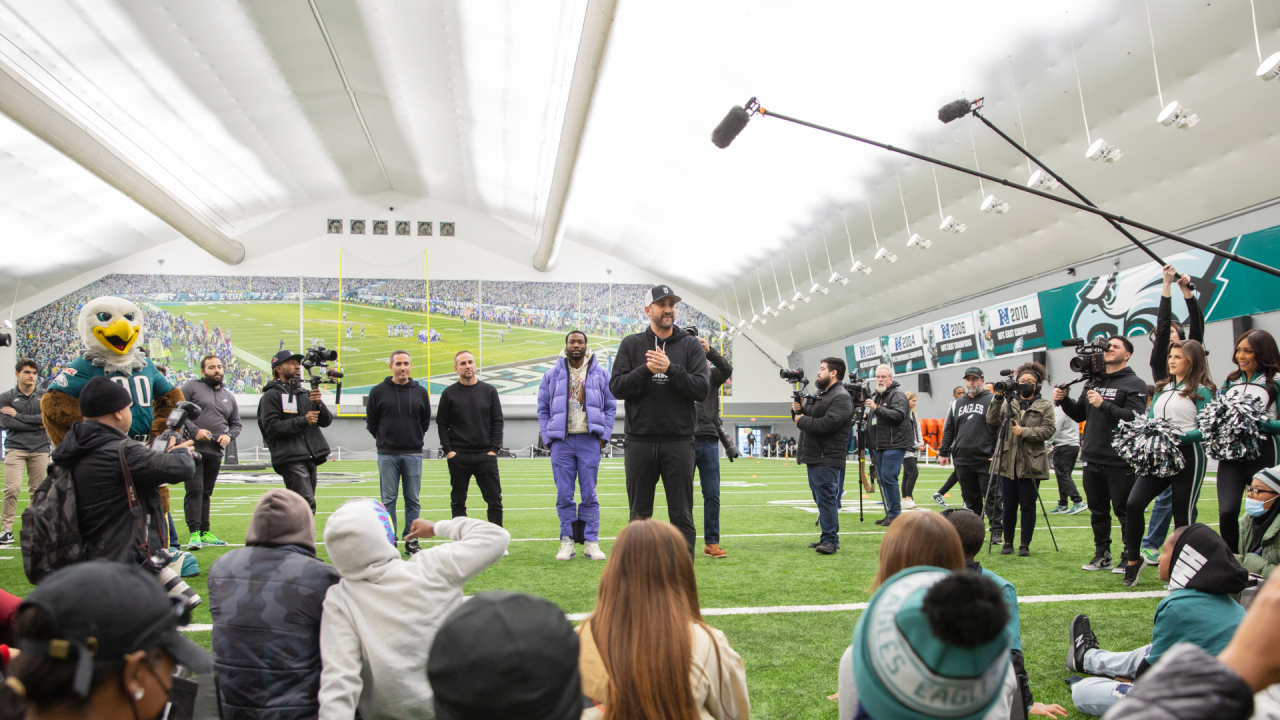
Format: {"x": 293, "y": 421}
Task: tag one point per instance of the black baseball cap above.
{"x": 974, "y": 371}
{"x": 506, "y": 655}
{"x": 658, "y": 292}
{"x": 106, "y": 610}
{"x": 284, "y": 356}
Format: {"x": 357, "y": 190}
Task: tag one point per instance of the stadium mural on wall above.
{"x": 952, "y": 341}
{"x": 515, "y": 329}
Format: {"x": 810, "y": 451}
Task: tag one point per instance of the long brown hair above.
{"x": 918, "y": 538}
{"x": 1197, "y": 376}
{"x": 648, "y": 597}
{"x": 1265, "y": 354}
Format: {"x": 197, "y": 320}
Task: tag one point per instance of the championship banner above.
{"x": 907, "y": 352}
{"x": 864, "y": 357}
{"x": 1011, "y": 328}
{"x": 953, "y": 341}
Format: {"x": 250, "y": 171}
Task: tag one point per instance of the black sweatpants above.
{"x": 1186, "y": 491}
{"x": 672, "y": 460}
{"x": 950, "y": 483}
{"x": 1064, "y": 463}
{"x": 1019, "y": 498}
{"x": 482, "y": 465}
{"x": 1233, "y": 477}
{"x": 300, "y": 477}
{"x": 975, "y": 483}
{"x": 195, "y": 504}
{"x": 1108, "y": 488}
{"x": 910, "y": 473}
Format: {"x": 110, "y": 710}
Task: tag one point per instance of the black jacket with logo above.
{"x": 1124, "y": 397}
{"x": 967, "y": 438}
{"x": 709, "y": 409}
{"x": 660, "y": 407}
{"x": 398, "y": 416}
{"x": 288, "y": 435}
{"x": 824, "y": 428}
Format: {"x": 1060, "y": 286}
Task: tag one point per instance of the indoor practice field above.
{"x": 767, "y": 519}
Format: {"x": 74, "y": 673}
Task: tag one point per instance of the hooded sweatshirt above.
{"x": 1124, "y": 397}
{"x": 267, "y": 600}
{"x": 1202, "y": 577}
{"x": 660, "y": 407}
{"x": 380, "y": 620}
{"x": 967, "y": 438}
{"x": 398, "y": 417}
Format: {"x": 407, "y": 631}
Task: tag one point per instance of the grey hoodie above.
{"x": 380, "y": 620}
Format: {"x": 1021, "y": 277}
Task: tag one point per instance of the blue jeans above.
{"x": 1096, "y": 695}
{"x": 888, "y": 466}
{"x": 825, "y": 483}
{"x": 393, "y": 471}
{"x": 706, "y": 456}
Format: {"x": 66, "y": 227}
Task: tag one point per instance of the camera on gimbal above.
{"x": 798, "y": 383}
{"x": 1088, "y": 361}
{"x": 315, "y": 362}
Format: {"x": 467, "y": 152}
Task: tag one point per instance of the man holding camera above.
{"x": 968, "y": 443}
{"x": 1115, "y": 396}
{"x": 706, "y": 449}
{"x": 824, "y": 421}
{"x": 290, "y": 419}
{"x": 217, "y": 426}
{"x": 889, "y": 433}
{"x": 661, "y": 373}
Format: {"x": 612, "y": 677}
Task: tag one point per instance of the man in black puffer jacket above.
{"x": 661, "y": 373}
{"x": 290, "y": 419}
{"x": 824, "y": 423}
{"x": 889, "y": 435}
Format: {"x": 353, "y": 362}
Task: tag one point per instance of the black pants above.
{"x": 910, "y": 473}
{"x": 462, "y": 466}
{"x": 1108, "y": 488}
{"x": 644, "y": 463}
{"x": 950, "y": 483}
{"x": 1186, "y": 491}
{"x": 1233, "y": 477}
{"x": 1019, "y": 499}
{"x": 975, "y": 484}
{"x": 300, "y": 477}
{"x": 195, "y": 504}
{"x": 1064, "y": 462}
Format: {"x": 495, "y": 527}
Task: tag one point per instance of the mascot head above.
{"x": 111, "y": 330}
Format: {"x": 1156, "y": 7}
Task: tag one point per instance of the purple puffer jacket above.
{"x": 553, "y": 402}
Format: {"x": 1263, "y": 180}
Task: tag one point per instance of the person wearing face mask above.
{"x": 824, "y": 423}
{"x": 108, "y": 653}
{"x": 968, "y": 441}
{"x": 1179, "y": 399}
{"x": 1259, "y": 531}
{"x": 1257, "y": 363}
{"x": 1023, "y": 461}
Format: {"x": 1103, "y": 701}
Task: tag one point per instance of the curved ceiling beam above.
{"x": 31, "y": 108}
{"x": 586, "y": 69}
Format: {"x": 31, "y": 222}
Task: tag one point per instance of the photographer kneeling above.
{"x": 1023, "y": 461}
{"x": 824, "y": 421}
{"x": 290, "y": 419}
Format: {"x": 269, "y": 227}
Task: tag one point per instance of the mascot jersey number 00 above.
{"x": 111, "y": 331}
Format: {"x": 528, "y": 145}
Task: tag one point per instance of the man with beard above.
{"x": 824, "y": 423}
{"x": 968, "y": 443}
{"x": 217, "y": 426}
{"x": 470, "y": 425}
{"x": 889, "y": 435}
{"x": 661, "y": 373}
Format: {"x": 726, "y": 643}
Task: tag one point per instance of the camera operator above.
{"x": 824, "y": 421}
{"x": 967, "y": 443}
{"x": 91, "y": 452}
{"x": 1116, "y": 395}
{"x": 889, "y": 434}
{"x": 1023, "y": 461}
{"x": 217, "y": 425}
{"x": 706, "y": 449}
{"x": 290, "y": 419}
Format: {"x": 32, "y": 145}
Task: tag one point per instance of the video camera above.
{"x": 181, "y": 413}
{"x": 798, "y": 381}
{"x": 315, "y": 361}
{"x": 1088, "y": 361}
{"x": 1007, "y": 386}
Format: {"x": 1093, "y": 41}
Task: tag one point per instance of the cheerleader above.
{"x": 1177, "y": 398}
{"x": 1257, "y": 363}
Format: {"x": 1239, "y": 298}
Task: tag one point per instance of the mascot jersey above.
{"x": 142, "y": 385}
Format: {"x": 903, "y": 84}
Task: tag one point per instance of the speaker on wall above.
{"x": 1041, "y": 356}
{"x": 926, "y": 385}
{"x": 1241, "y": 325}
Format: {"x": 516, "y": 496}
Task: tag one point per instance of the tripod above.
{"x": 993, "y": 473}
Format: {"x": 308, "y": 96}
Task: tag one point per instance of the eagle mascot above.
{"x": 111, "y": 332}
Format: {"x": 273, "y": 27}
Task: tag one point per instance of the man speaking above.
{"x": 661, "y": 373}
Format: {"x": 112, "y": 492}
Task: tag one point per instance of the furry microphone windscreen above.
{"x": 729, "y": 127}
{"x": 954, "y": 110}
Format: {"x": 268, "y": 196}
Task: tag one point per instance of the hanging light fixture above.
{"x": 882, "y": 253}
{"x": 1098, "y": 149}
{"x": 782, "y": 303}
{"x": 799, "y": 295}
{"x": 990, "y": 203}
{"x": 915, "y": 241}
{"x": 949, "y": 224}
{"x": 835, "y": 276}
{"x": 856, "y": 267}
{"x": 816, "y": 288}
{"x": 742, "y": 319}
{"x": 767, "y": 310}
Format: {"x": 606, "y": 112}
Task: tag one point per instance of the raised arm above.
{"x": 626, "y": 381}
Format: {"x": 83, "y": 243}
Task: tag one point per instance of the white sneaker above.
{"x": 908, "y": 503}
{"x": 566, "y": 548}
{"x": 593, "y": 551}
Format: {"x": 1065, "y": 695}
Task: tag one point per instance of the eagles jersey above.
{"x": 143, "y": 385}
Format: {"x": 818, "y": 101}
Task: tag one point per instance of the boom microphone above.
{"x": 729, "y": 127}
{"x": 954, "y": 110}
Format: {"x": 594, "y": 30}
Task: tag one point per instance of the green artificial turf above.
{"x": 766, "y": 524}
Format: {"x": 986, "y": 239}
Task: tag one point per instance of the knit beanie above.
{"x": 1270, "y": 477}
{"x": 903, "y": 670}
{"x": 101, "y": 397}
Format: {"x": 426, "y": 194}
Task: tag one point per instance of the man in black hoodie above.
{"x": 661, "y": 374}
{"x": 398, "y": 415}
{"x": 290, "y": 419}
{"x": 968, "y": 442}
{"x": 1119, "y": 396}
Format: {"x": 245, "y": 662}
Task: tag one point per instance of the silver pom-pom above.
{"x": 1230, "y": 424}
{"x": 1150, "y": 446}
